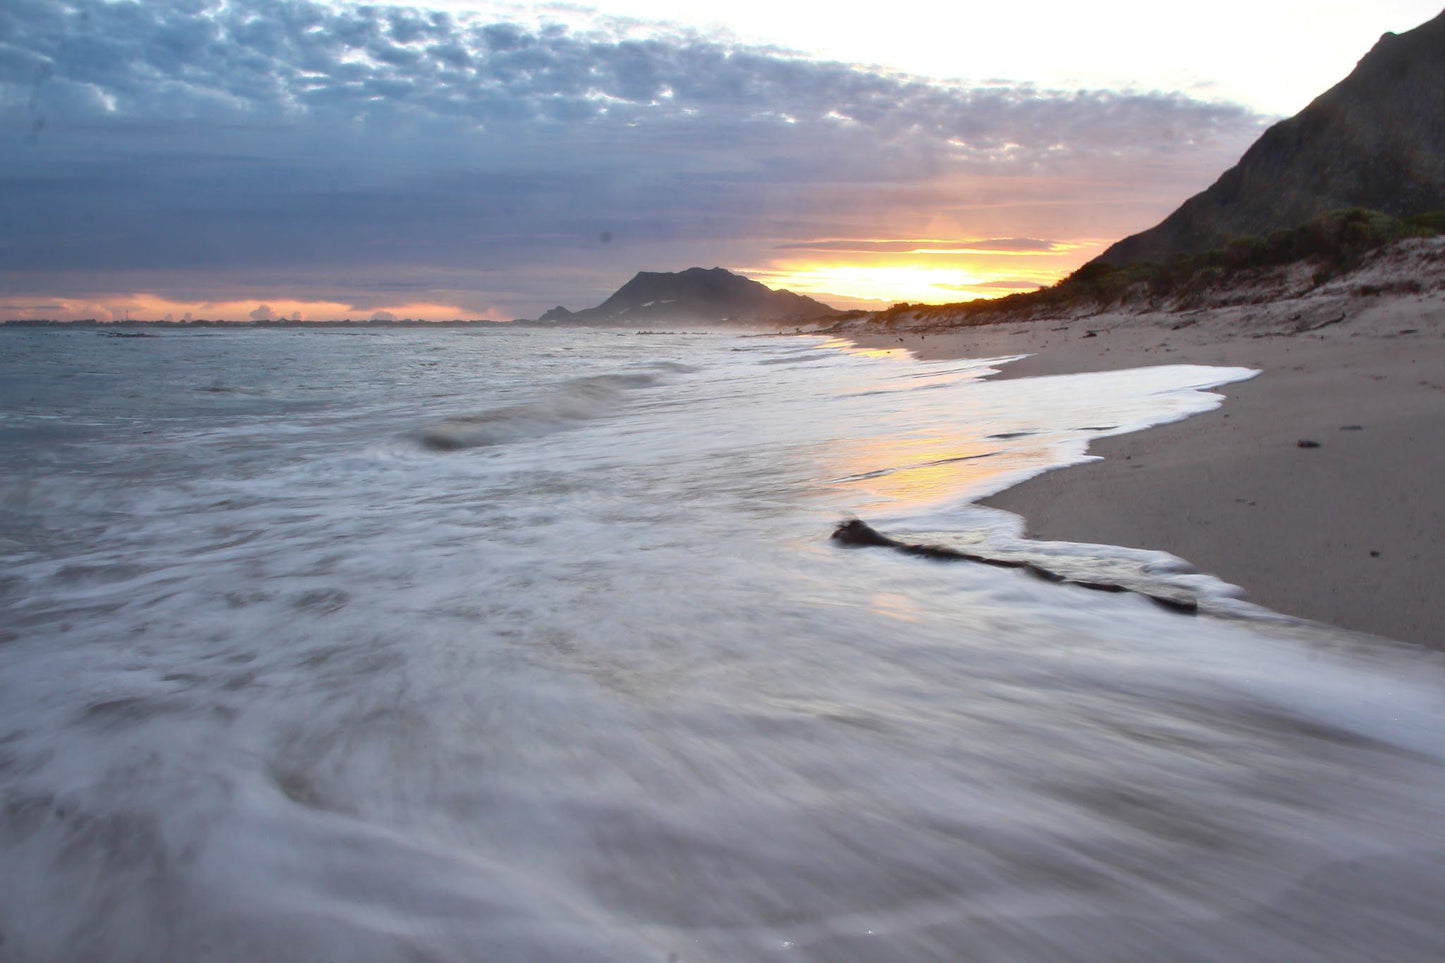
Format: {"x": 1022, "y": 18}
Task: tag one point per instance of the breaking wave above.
{"x": 578, "y": 400}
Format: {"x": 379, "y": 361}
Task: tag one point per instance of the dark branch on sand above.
{"x": 856, "y": 533}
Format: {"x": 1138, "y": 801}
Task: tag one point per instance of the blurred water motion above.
{"x": 283, "y": 681}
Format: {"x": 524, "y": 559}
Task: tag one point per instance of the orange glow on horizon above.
{"x": 890, "y": 283}
{"x": 874, "y": 272}
{"x": 869, "y": 273}
{"x": 154, "y": 307}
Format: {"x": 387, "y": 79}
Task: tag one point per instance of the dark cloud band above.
{"x": 255, "y": 134}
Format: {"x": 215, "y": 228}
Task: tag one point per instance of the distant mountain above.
{"x": 1374, "y": 140}
{"x": 697, "y": 295}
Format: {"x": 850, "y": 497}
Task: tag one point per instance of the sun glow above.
{"x": 930, "y": 283}
{"x": 853, "y": 273}
{"x": 888, "y": 282}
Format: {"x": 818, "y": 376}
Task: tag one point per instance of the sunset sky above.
{"x": 261, "y": 158}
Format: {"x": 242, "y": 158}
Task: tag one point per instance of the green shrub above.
{"x": 1335, "y": 241}
{"x": 1426, "y": 223}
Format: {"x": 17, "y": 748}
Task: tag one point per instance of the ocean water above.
{"x": 532, "y": 645}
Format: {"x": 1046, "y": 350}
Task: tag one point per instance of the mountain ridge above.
{"x": 1374, "y": 140}
{"x": 695, "y": 295}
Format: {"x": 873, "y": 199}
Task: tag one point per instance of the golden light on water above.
{"x": 923, "y": 470}
{"x": 858, "y": 351}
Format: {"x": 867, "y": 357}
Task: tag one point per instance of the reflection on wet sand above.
{"x": 924, "y": 471}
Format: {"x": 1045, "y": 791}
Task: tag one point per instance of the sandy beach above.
{"x": 1316, "y": 487}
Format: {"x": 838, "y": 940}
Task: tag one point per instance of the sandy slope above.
{"x": 1351, "y": 532}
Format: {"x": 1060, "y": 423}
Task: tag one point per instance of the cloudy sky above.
{"x": 234, "y": 158}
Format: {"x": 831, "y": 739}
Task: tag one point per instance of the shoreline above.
{"x": 1345, "y": 529}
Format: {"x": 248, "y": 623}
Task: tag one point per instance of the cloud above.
{"x": 995, "y": 245}
{"x": 147, "y": 146}
{"x": 1007, "y": 285}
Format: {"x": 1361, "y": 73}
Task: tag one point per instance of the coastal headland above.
{"x": 1316, "y": 487}
{"x": 1319, "y": 261}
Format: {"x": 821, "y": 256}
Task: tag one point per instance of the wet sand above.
{"x": 1318, "y": 487}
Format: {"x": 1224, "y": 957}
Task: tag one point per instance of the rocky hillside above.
{"x": 1375, "y": 140}
{"x": 1412, "y": 268}
{"x": 697, "y": 295}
